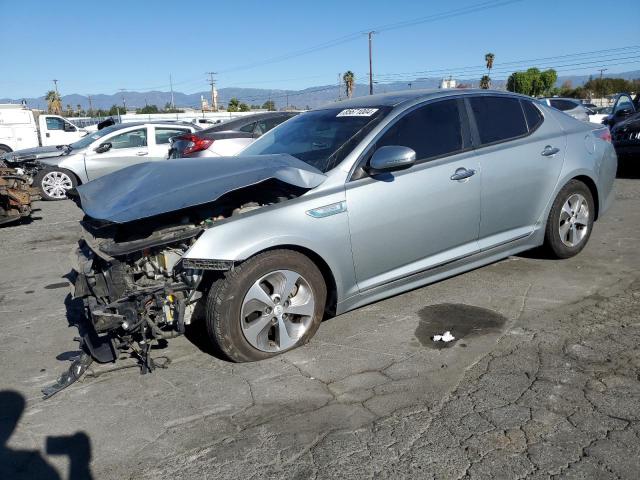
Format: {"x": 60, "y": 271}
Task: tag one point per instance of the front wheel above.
{"x": 570, "y": 220}
{"x": 53, "y": 183}
{"x": 267, "y": 305}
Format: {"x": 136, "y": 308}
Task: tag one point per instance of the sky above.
{"x": 101, "y": 47}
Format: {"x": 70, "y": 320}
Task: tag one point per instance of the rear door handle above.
{"x": 462, "y": 173}
{"x": 549, "y": 151}
{"x": 142, "y": 154}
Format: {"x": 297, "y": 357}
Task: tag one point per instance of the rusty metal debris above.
{"x": 15, "y": 195}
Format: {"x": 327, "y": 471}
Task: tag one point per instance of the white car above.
{"x": 97, "y": 154}
{"x": 600, "y": 114}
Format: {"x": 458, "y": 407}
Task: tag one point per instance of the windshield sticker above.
{"x": 357, "y": 112}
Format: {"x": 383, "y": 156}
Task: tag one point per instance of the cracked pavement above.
{"x": 542, "y": 381}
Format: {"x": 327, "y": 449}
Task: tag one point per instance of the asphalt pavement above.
{"x": 542, "y": 380}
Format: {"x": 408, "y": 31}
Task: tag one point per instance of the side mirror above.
{"x": 391, "y": 158}
{"x": 69, "y": 128}
{"x": 103, "y": 147}
{"x": 624, "y": 112}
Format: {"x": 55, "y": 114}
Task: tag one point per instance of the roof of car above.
{"x": 394, "y": 99}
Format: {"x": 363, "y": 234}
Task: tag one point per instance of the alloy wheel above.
{"x": 277, "y": 310}
{"x": 574, "y": 220}
{"x": 55, "y": 184}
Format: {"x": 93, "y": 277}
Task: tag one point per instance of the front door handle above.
{"x": 462, "y": 174}
{"x": 142, "y": 153}
{"x": 549, "y": 151}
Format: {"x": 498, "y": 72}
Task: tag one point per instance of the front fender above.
{"x": 285, "y": 225}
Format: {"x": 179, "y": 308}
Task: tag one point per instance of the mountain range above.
{"x": 307, "y": 98}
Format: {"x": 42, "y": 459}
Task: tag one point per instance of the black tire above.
{"x": 224, "y": 302}
{"x": 40, "y": 176}
{"x": 553, "y": 242}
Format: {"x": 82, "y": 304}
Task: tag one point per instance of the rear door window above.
{"x": 248, "y": 128}
{"x": 431, "y": 131}
{"x": 132, "y": 139}
{"x": 498, "y": 118}
{"x": 532, "y": 115}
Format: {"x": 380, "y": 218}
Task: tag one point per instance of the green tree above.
{"x": 349, "y": 80}
{"x": 147, "y": 109}
{"x": 234, "y": 105}
{"x": 243, "y": 107}
{"x": 114, "y": 110}
{"x": 269, "y": 105}
{"x": 488, "y": 58}
{"x": 532, "y": 82}
{"x": 54, "y": 102}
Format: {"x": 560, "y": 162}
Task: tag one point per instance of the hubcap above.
{"x": 574, "y": 220}
{"x": 56, "y": 184}
{"x": 277, "y": 311}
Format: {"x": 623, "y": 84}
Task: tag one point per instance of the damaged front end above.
{"x": 15, "y": 195}
{"x": 135, "y": 287}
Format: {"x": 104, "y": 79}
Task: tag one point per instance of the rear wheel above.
{"x": 270, "y": 304}
{"x": 570, "y": 220}
{"x": 53, "y": 183}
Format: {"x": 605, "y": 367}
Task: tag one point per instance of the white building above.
{"x": 448, "y": 83}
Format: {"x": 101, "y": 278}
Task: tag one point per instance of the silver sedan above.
{"x": 336, "y": 208}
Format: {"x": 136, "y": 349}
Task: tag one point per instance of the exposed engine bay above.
{"x": 135, "y": 288}
{"x": 15, "y": 195}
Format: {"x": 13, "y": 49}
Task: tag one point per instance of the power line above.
{"x": 393, "y": 26}
{"x": 515, "y": 63}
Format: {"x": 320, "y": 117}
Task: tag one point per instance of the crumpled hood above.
{"x": 149, "y": 189}
{"x": 35, "y": 153}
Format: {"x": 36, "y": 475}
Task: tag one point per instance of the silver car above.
{"x": 570, "y": 106}
{"x": 102, "y": 152}
{"x": 336, "y": 208}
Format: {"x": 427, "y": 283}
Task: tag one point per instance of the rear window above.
{"x": 498, "y": 118}
{"x": 563, "y": 105}
{"x": 532, "y": 114}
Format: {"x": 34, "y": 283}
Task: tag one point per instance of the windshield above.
{"x": 321, "y": 138}
{"x": 87, "y": 140}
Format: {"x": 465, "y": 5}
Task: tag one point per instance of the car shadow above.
{"x": 17, "y": 464}
{"x": 196, "y": 333}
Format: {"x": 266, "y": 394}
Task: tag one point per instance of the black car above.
{"x": 624, "y": 123}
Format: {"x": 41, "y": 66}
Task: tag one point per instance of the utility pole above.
{"x": 602, "y": 70}
{"x": 124, "y": 103}
{"x": 339, "y": 86}
{"x": 55, "y": 83}
{"x": 173, "y": 104}
{"x": 90, "y": 104}
{"x": 214, "y": 96}
{"x": 370, "y": 34}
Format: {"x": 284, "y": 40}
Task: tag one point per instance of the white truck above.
{"x": 22, "y": 128}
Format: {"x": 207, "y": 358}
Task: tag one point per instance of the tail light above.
{"x": 196, "y": 144}
{"x": 603, "y": 134}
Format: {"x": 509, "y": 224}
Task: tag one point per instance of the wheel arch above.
{"x": 323, "y": 266}
{"x": 5, "y": 148}
{"x": 591, "y": 185}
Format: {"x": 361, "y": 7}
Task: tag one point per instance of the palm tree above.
{"x": 488, "y": 58}
{"x": 349, "y": 82}
{"x": 485, "y": 82}
{"x": 54, "y": 102}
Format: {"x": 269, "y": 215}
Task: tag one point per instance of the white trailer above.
{"x": 23, "y": 128}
